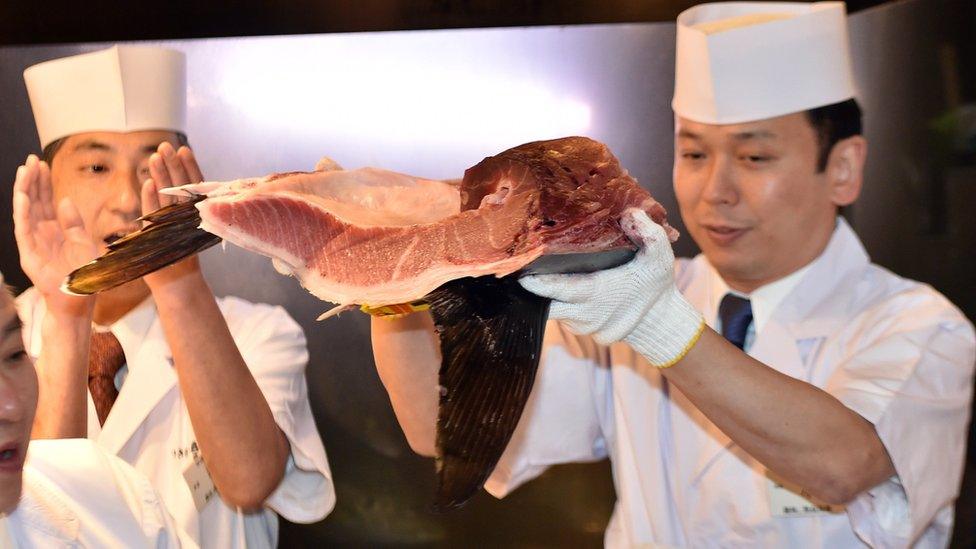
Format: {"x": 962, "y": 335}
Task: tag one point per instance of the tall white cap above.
{"x": 745, "y": 61}
{"x": 120, "y": 89}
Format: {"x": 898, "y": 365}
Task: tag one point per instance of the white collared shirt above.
{"x": 149, "y": 426}
{"x": 892, "y": 350}
{"x": 763, "y": 300}
{"x": 76, "y": 495}
{"x": 133, "y": 329}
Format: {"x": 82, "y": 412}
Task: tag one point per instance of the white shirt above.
{"x": 76, "y": 495}
{"x": 149, "y": 426}
{"x": 763, "y": 301}
{"x": 893, "y": 350}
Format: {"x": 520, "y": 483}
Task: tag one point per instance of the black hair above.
{"x": 834, "y": 123}
{"x": 53, "y": 147}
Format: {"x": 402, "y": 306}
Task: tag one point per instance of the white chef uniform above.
{"x": 136, "y": 88}
{"x": 76, "y": 495}
{"x": 149, "y": 426}
{"x": 893, "y": 350}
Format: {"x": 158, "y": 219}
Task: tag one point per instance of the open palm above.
{"x": 52, "y": 240}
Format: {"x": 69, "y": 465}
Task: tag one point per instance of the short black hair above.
{"x": 833, "y": 123}
{"x": 53, "y": 147}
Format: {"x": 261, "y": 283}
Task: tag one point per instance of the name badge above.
{"x": 786, "y": 502}
{"x": 198, "y": 480}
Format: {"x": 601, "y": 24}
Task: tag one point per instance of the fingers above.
{"x": 190, "y": 165}
{"x": 150, "y": 196}
{"x": 641, "y": 229}
{"x": 82, "y": 249}
{"x": 174, "y": 165}
{"x": 28, "y": 212}
{"x": 20, "y": 180}
{"x": 28, "y": 178}
{"x": 172, "y": 168}
{"x": 161, "y": 178}
{"x": 561, "y": 311}
{"x": 158, "y": 170}
{"x": 568, "y": 288}
{"x": 46, "y": 190}
{"x": 23, "y": 228}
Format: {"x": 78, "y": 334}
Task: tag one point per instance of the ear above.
{"x": 845, "y": 169}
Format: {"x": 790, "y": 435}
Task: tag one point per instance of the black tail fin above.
{"x": 491, "y": 338}
{"x": 171, "y": 235}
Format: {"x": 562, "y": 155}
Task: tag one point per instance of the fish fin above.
{"x": 490, "y": 337}
{"x": 172, "y": 234}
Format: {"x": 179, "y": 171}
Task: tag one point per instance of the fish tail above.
{"x": 490, "y": 338}
{"x": 172, "y": 233}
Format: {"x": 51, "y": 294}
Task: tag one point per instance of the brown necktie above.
{"x": 104, "y": 360}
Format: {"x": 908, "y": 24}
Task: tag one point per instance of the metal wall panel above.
{"x": 432, "y": 103}
{"x": 426, "y": 103}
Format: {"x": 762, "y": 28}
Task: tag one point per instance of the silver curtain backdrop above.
{"x": 432, "y": 103}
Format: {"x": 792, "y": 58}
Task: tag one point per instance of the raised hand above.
{"x": 52, "y": 240}
{"x": 169, "y": 167}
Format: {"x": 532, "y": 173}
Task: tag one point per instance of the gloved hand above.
{"x": 637, "y": 302}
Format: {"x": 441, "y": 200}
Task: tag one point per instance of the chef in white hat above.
{"x": 61, "y": 493}
{"x": 205, "y": 396}
{"x": 832, "y": 413}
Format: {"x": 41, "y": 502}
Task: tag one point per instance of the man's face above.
{"x": 102, "y": 173}
{"x": 18, "y": 399}
{"x": 751, "y": 196}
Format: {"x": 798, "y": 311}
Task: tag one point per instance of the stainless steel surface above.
{"x": 424, "y": 103}
{"x": 432, "y": 103}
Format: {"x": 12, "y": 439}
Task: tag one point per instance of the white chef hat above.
{"x": 744, "y": 61}
{"x": 120, "y": 89}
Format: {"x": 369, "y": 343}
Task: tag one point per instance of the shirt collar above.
{"x": 764, "y": 299}
{"x": 132, "y": 329}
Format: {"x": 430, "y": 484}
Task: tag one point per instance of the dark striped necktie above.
{"x": 736, "y": 315}
{"x": 104, "y": 361}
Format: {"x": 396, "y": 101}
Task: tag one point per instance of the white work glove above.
{"x": 637, "y": 303}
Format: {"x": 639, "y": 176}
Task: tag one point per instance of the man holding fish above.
{"x": 834, "y": 410}
{"x": 204, "y": 396}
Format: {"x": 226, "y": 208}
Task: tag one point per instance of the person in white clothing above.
{"x": 61, "y": 493}
{"x": 205, "y": 396}
{"x": 833, "y": 412}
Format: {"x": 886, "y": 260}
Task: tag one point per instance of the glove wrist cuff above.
{"x": 668, "y": 331}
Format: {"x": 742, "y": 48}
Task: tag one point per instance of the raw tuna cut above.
{"x": 376, "y": 237}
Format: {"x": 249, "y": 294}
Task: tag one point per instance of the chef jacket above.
{"x": 149, "y": 426}
{"x": 893, "y": 350}
{"x": 76, "y": 495}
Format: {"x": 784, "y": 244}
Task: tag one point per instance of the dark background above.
{"x": 916, "y": 67}
{"x": 61, "y": 21}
